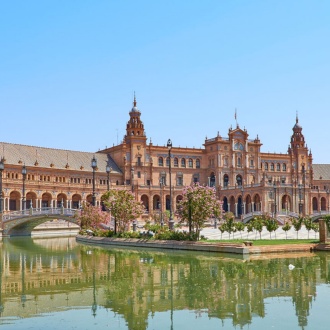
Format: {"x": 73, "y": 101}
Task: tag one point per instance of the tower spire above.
{"x": 134, "y": 102}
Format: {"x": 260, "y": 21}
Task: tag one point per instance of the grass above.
{"x": 268, "y": 241}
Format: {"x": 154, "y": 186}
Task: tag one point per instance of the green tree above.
{"x": 270, "y": 224}
{"x": 315, "y": 228}
{"x": 198, "y": 204}
{"x": 297, "y": 223}
{"x": 123, "y": 207}
{"x": 286, "y": 227}
{"x": 91, "y": 217}
{"x": 258, "y": 225}
{"x": 229, "y": 223}
{"x": 249, "y": 228}
{"x": 240, "y": 227}
{"x": 308, "y": 222}
{"x": 222, "y": 228}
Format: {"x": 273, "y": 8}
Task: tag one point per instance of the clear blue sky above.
{"x": 69, "y": 68}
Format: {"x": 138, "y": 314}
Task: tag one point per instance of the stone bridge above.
{"x": 21, "y": 223}
{"x": 282, "y": 216}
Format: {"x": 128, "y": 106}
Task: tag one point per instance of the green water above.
{"x": 59, "y": 284}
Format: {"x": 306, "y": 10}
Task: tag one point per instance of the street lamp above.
{"x": 275, "y": 202}
{"x": 132, "y": 178}
{"x": 328, "y": 193}
{"x": 94, "y": 166}
{"x": 300, "y": 205}
{"x": 242, "y": 206}
{"x": 108, "y": 169}
{"x": 161, "y": 202}
{"x": 24, "y": 177}
{"x": 169, "y": 147}
{"x": 2, "y": 167}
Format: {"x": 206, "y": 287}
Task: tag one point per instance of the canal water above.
{"x": 56, "y": 283}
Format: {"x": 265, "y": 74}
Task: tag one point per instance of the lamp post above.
{"x": 161, "y": 202}
{"x": 2, "y": 167}
{"x": 94, "y": 166}
{"x": 242, "y": 206}
{"x": 275, "y": 202}
{"x": 132, "y": 178}
{"x": 300, "y": 206}
{"x": 169, "y": 147}
{"x": 24, "y": 177}
{"x": 108, "y": 169}
{"x": 328, "y": 193}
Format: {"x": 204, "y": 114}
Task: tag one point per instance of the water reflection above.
{"x": 41, "y": 276}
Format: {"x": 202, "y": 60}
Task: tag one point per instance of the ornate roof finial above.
{"x": 134, "y": 102}
{"x": 297, "y": 117}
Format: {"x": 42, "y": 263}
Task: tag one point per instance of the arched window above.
{"x": 284, "y": 167}
{"x": 225, "y": 180}
{"x": 266, "y": 166}
{"x": 160, "y": 161}
{"x": 278, "y": 167}
{"x": 198, "y": 163}
{"x": 167, "y": 161}
{"x": 190, "y": 162}
{"x": 176, "y": 162}
{"x": 239, "y": 180}
{"x": 272, "y": 166}
{"x": 183, "y": 162}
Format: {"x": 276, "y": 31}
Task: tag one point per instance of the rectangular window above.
{"x": 139, "y": 174}
{"x": 180, "y": 181}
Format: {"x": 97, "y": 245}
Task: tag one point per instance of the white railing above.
{"x": 38, "y": 211}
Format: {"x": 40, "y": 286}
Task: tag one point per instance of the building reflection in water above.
{"x": 41, "y": 276}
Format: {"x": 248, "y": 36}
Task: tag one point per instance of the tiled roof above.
{"x": 321, "y": 171}
{"x": 16, "y": 154}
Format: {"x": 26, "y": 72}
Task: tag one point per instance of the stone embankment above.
{"x": 243, "y": 249}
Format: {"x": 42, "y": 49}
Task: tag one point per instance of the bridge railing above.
{"x": 38, "y": 211}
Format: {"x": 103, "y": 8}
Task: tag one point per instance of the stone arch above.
{"x": 232, "y": 204}
{"x": 156, "y": 202}
{"x": 225, "y": 204}
{"x": 14, "y": 201}
{"x": 286, "y": 203}
{"x": 145, "y": 202}
{"x": 315, "y": 204}
{"x": 248, "y": 203}
{"x": 239, "y": 180}
{"x": 46, "y": 200}
{"x": 76, "y": 201}
{"x": 212, "y": 180}
{"x": 31, "y": 200}
{"x": 257, "y": 203}
{"x": 61, "y": 199}
{"x": 89, "y": 199}
{"x": 323, "y": 204}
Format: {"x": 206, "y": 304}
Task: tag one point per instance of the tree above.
{"x": 123, "y": 207}
{"x": 249, "y": 228}
{"x": 229, "y": 223}
{"x": 308, "y": 222}
{"x": 91, "y": 217}
{"x": 286, "y": 227}
{"x": 297, "y": 223}
{"x": 258, "y": 225}
{"x": 271, "y": 225}
{"x": 198, "y": 204}
{"x": 315, "y": 228}
{"x": 240, "y": 227}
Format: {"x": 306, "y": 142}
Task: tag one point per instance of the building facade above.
{"x": 245, "y": 178}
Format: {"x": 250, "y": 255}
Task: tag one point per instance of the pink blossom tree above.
{"x": 91, "y": 217}
{"x": 123, "y": 207}
{"x": 199, "y": 203}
